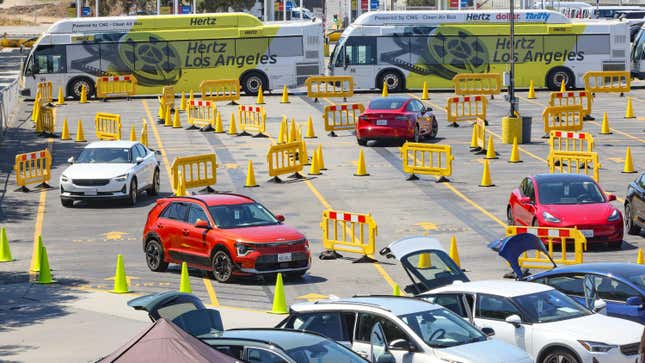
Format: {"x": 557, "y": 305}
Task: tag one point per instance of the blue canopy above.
{"x": 512, "y": 247}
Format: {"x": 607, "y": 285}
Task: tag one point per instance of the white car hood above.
{"x": 490, "y": 351}
{"x": 96, "y": 171}
{"x": 597, "y": 328}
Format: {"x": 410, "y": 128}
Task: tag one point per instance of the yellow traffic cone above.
{"x": 83, "y": 94}
{"x": 321, "y": 160}
{"x": 260, "y": 100}
{"x": 176, "y": 122}
{"x": 490, "y": 149}
{"x": 64, "y": 135}
{"x": 180, "y": 188}
{"x": 563, "y": 86}
{"x": 396, "y": 290}
{"x": 143, "y": 138}
{"x": 160, "y": 113}
{"x": 285, "y": 130}
{"x": 232, "y": 125}
{"x": 384, "y": 92}
{"x": 629, "y": 112}
{"x": 292, "y": 131}
{"x": 44, "y": 274}
{"x": 305, "y": 153}
{"x": 454, "y": 252}
{"x": 35, "y": 255}
{"x": 167, "y": 119}
{"x": 5, "y": 252}
{"x": 515, "y": 152}
{"x": 285, "y": 95}
{"x": 133, "y": 134}
{"x": 281, "y": 133}
{"x": 250, "y": 176}
{"x": 80, "y": 135}
{"x": 182, "y": 102}
{"x": 314, "y": 169}
{"x": 310, "y": 129}
{"x": 531, "y": 95}
{"x": 61, "y": 98}
{"x": 184, "y": 283}
{"x": 424, "y": 92}
{"x": 424, "y": 261}
{"x": 473, "y": 137}
{"x": 120, "y": 280}
{"x": 629, "y": 164}
{"x": 639, "y": 258}
{"x": 192, "y": 96}
{"x": 486, "y": 181}
{"x": 360, "y": 167}
{"x": 279, "y": 299}
{"x": 604, "y": 129}
{"x": 219, "y": 127}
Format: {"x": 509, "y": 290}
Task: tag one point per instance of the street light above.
{"x": 511, "y": 76}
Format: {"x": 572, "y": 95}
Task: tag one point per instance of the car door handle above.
{"x": 185, "y": 232}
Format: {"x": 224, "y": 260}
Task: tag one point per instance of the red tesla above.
{"x": 227, "y": 234}
{"x": 400, "y": 118}
{"x": 567, "y": 201}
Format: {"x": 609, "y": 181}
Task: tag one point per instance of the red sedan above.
{"x": 401, "y": 118}
{"x": 228, "y": 234}
{"x": 567, "y": 201}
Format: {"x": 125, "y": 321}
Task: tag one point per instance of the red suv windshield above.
{"x": 241, "y": 215}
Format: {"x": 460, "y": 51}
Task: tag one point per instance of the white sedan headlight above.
{"x": 64, "y": 178}
{"x": 121, "y": 178}
{"x": 597, "y": 347}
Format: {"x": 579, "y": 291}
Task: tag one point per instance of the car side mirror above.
{"x": 514, "y": 319}
{"x": 386, "y": 357}
{"x": 402, "y": 344}
{"x": 525, "y": 200}
{"x": 280, "y": 218}
{"x": 139, "y": 160}
{"x": 599, "y": 305}
{"x": 488, "y": 331}
{"x": 202, "y": 224}
{"x": 70, "y": 160}
{"x": 611, "y": 197}
{"x": 634, "y": 301}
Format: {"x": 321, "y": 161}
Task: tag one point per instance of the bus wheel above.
{"x": 251, "y": 83}
{"x": 75, "y": 85}
{"x": 393, "y": 80}
{"x": 556, "y": 76}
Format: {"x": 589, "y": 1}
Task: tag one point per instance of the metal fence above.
{"x": 8, "y": 102}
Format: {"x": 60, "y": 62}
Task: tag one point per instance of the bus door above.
{"x": 357, "y": 58}
{"x": 46, "y": 63}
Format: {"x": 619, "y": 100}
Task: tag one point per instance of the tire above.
{"x": 133, "y": 194}
{"x": 154, "y": 189}
{"x": 251, "y": 83}
{"x": 361, "y": 141}
{"x": 416, "y": 137}
{"x": 509, "y": 216}
{"x": 558, "y": 74}
{"x": 434, "y": 130}
{"x": 393, "y": 79}
{"x": 67, "y": 203}
{"x": 630, "y": 226}
{"x": 222, "y": 266}
{"x": 559, "y": 355}
{"x": 74, "y": 87}
{"x": 155, "y": 256}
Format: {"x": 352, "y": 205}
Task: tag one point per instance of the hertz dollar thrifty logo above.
{"x": 214, "y": 54}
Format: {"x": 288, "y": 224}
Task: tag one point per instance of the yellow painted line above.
{"x": 532, "y": 101}
{"x": 153, "y": 124}
{"x": 42, "y": 198}
{"x": 317, "y": 194}
{"x": 620, "y": 132}
{"x": 471, "y": 202}
{"x": 520, "y": 148}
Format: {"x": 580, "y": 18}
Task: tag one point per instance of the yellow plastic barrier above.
{"x": 108, "y": 126}
{"x": 582, "y": 98}
{"x": 286, "y": 158}
{"x": 548, "y": 235}
{"x": 341, "y": 117}
{"x": 466, "y": 108}
{"x": 46, "y": 90}
{"x": 570, "y": 141}
{"x": 45, "y": 123}
{"x": 480, "y": 136}
{"x": 116, "y": 86}
{"x": 562, "y": 118}
{"x": 348, "y": 232}
{"x": 607, "y": 82}
{"x": 197, "y": 170}
{"x": 202, "y": 114}
{"x": 329, "y": 86}
{"x": 477, "y": 84}
{"x": 575, "y": 162}
{"x": 221, "y": 90}
{"x": 427, "y": 159}
{"x": 32, "y": 168}
{"x": 252, "y": 119}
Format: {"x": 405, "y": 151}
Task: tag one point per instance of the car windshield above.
{"x": 550, "y": 305}
{"x": 117, "y": 155}
{"x": 324, "y": 352}
{"x": 241, "y": 215}
{"x": 441, "y": 328}
{"x": 569, "y": 192}
{"x": 386, "y": 104}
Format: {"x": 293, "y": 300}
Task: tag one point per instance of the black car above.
{"x": 635, "y": 205}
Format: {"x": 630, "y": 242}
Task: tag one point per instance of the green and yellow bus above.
{"x": 404, "y": 49}
{"x": 175, "y": 50}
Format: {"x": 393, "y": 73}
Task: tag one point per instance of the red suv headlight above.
{"x": 242, "y": 249}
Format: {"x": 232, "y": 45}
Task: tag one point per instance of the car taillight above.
{"x": 401, "y": 118}
{"x": 363, "y": 118}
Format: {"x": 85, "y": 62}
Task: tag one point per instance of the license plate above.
{"x": 90, "y": 192}
{"x": 381, "y": 122}
{"x": 587, "y": 232}
{"x": 284, "y": 257}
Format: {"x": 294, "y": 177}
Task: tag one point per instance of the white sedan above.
{"x": 110, "y": 170}
{"x": 549, "y": 325}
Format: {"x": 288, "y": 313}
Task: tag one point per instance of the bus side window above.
{"x": 360, "y": 50}
{"x": 49, "y": 59}
{"x": 340, "y": 58}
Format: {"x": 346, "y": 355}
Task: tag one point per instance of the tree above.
{"x": 214, "y": 6}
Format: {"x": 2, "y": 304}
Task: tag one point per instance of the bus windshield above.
{"x": 639, "y": 46}
{"x": 333, "y": 59}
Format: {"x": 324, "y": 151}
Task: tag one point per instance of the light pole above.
{"x": 511, "y": 81}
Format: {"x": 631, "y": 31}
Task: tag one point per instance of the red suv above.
{"x": 228, "y": 234}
